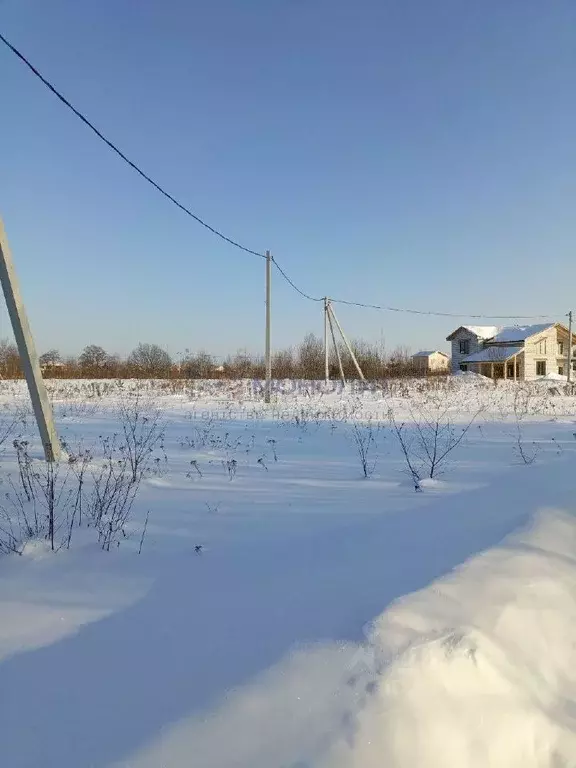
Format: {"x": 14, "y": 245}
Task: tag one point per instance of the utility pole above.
{"x": 268, "y": 353}
{"x": 27, "y": 350}
{"x": 338, "y": 356}
{"x": 326, "y": 349}
{"x": 347, "y": 343}
{"x": 569, "y": 373}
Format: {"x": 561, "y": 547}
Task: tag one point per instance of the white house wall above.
{"x": 475, "y": 346}
{"x": 438, "y": 362}
{"x": 532, "y": 352}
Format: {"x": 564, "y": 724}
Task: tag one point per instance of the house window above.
{"x": 464, "y": 367}
{"x": 541, "y": 368}
{"x": 542, "y": 347}
{"x": 561, "y": 348}
{"x": 561, "y": 370}
{"x": 465, "y": 347}
{"x": 510, "y": 371}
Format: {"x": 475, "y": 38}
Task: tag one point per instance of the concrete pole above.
{"x": 348, "y": 345}
{"x": 326, "y": 350}
{"x": 569, "y": 372}
{"x": 336, "y": 345}
{"x": 268, "y": 349}
{"x": 27, "y": 350}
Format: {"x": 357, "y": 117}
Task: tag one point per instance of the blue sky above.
{"x": 412, "y": 153}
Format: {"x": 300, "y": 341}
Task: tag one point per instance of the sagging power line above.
{"x": 121, "y": 154}
{"x": 52, "y": 88}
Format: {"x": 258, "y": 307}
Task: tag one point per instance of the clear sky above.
{"x": 417, "y": 153}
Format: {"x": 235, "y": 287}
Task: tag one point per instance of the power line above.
{"x": 440, "y": 314}
{"x": 224, "y": 237}
{"x": 121, "y": 154}
{"x": 404, "y": 310}
{"x": 294, "y": 286}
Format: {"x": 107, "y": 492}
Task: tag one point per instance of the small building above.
{"x": 515, "y": 352}
{"x": 431, "y": 361}
{"x": 51, "y": 365}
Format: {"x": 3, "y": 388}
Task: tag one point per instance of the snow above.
{"x": 329, "y": 620}
{"x": 482, "y": 669}
{"x": 514, "y": 333}
{"x": 472, "y": 376}
{"x": 492, "y": 355}
{"x": 483, "y": 331}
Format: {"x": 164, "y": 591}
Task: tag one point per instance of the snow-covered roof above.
{"x": 492, "y": 355}
{"x": 428, "y": 352}
{"x": 520, "y": 332}
{"x": 480, "y": 331}
{"x": 483, "y": 331}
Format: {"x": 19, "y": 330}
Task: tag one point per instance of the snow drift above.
{"x": 479, "y": 669}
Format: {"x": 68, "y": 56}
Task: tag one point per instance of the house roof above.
{"x": 514, "y": 333}
{"x": 428, "y": 352}
{"x": 480, "y": 331}
{"x": 493, "y": 355}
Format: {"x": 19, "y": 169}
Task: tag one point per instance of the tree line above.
{"x": 304, "y": 361}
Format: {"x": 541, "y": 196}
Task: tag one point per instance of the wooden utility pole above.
{"x": 268, "y": 350}
{"x": 27, "y": 350}
{"x": 569, "y": 372}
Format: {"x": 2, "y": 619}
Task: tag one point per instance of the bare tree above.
{"x": 430, "y": 439}
{"x": 79, "y": 463}
{"x": 405, "y": 440}
{"x": 52, "y": 357}
{"x": 10, "y": 367}
{"x": 44, "y": 497}
{"x": 242, "y": 365}
{"x": 311, "y": 357}
{"x": 369, "y": 358}
{"x": 93, "y": 356}
{"x": 437, "y": 437}
{"x": 36, "y": 505}
{"x": 114, "y": 491}
{"x": 283, "y": 364}
{"x": 364, "y": 441}
{"x": 150, "y": 359}
{"x": 198, "y": 366}
{"x": 143, "y": 431}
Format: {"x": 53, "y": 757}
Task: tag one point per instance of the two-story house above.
{"x": 514, "y": 352}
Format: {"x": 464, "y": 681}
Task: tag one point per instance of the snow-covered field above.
{"x": 291, "y": 588}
